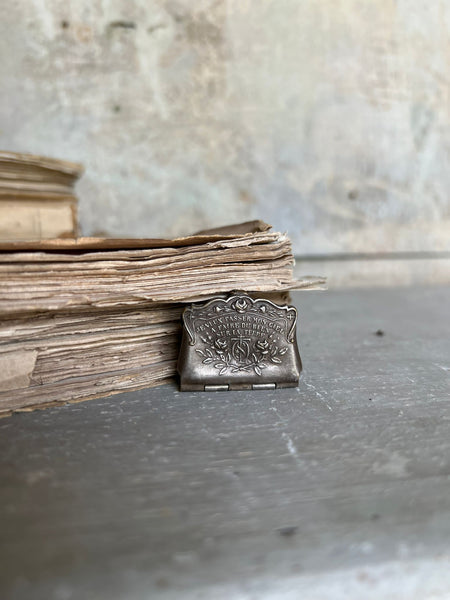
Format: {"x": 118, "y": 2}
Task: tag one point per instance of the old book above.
{"x": 90, "y": 317}
{"x": 37, "y": 199}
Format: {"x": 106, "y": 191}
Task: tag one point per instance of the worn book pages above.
{"x": 79, "y": 355}
{"x": 53, "y": 280}
{"x": 19, "y": 165}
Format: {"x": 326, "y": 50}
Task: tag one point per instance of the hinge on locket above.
{"x": 253, "y": 386}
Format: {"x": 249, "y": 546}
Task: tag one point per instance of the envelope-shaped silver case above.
{"x": 239, "y": 343}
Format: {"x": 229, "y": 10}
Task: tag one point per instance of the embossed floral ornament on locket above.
{"x": 239, "y": 343}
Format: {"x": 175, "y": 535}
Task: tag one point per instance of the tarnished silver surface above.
{"x": 239, "y": 343}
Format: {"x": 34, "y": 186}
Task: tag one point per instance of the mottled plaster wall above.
{"x": 330, "y": 119}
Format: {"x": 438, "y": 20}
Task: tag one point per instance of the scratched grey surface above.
{"x": 339, "y": 489}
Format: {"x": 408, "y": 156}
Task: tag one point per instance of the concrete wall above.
{"x": 330, "y": 119}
